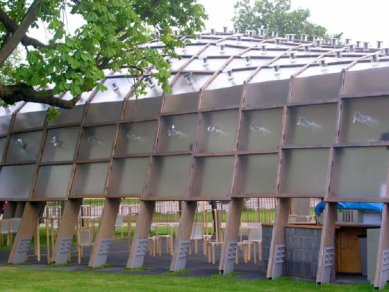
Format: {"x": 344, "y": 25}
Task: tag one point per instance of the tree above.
{"x": 111, "y": 36}
{"x": 275, "y": 16}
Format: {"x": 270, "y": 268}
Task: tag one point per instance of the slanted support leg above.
{"x": 231, "y": 236}
{"x": 105, "y": 233}
{"x": 68, "y": 223}
{"x": 26, "y": 231}
{"x": 140, "y": 240}
{"x": 19, "y": 209}
{"x": 382, "y": 267}
{"x": 326, "y": 260}
{"x": 181, "y": 248}
{"x": 277, "y": 247}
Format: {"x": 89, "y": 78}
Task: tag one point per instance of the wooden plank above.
{"x": 27, "y": 229}
{"x": 66, "y": 230}
{"x": 140, "y": 241}
{"x": 181, "y": 247}
{"x": 231, "y": 236}
{"x": 105, "y": 233}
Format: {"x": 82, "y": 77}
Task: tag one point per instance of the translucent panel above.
{"x": 85, "y": 96}
{"x": 9, "y": 110}
{"x": 270, "y": 93}
{"x": 144, "y": 108}
{"x": 52, "y": 182}
{"x": 68, "y": 116}
{"x": 117, "y": 89}
{"x": 322, "y": 70}
{"x": 213, "y": 178}
{"x": 369, "y": 64}
{"x": 90, "y": 180}
{"x": 190, "y": 49}
{"x": 29, "y": 120}
{"x": 96, "y": 143}
{"x": 2, "y": 145}
{"x": 60, "y": 144}
{"x": 312, "y": 125}
{"x": 241, "y": 62}
{"x": 223, "y": 97}
{"x": 294, "y": 60}
{"x": 305, "y": 172}
{"x": 316, "y": 88}
{"x": 128, "y": 176}
{"x": 366, "y": 120}
{"x": 230, "y": 78}
{"x": 206, "y": 64}
{"x": 172, "y": 177}
{"x": 275, "y": 73}
{"x": 218, "y": 131}
{"x": 257, "y": 174}
{"x": 176, "y": 64}
{"x": 178, "y": 103}
{"x": 261, "y": 130}
{"x": 361, "y": 173}
{"x": 177, "y": 133}
{"x": 188, "y": 82}
{"x": 33, "y": 107}
{"x": 5, "y": 122}
{"x": 16, "y": 182}
{"x": 24, "y": 146}
{"x": 136, "y": 138}
{"x": 105, "y": 112}
{"x": 221, "y": 50}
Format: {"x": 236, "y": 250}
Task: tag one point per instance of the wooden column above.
{"x": 181, "y": 247}
{"x": 105, "y": 233}
{"x": 140, "y": 241}
{"x": 27, "y": 229}
{"x": 277, "y": 246}
{"x": 326, "y": 260}
{"x": 19, "y": 209}
{"x": 231, "y": 236}
{"x": 382, "y": 271}
{"x": 67, "y": 225}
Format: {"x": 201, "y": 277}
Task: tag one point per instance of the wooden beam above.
{"x": 28, "y": 226}
{"x": 139, "y": 243}
{"x": 277, "y": 246}
{"x": 181, "y": 247}
{"x": 231, "y": 236}
{"x": 326, "y": 260}
{"x": 105, "y": 233}
{"x": 66, "y": 230}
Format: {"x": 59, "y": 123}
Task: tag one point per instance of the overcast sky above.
{"x": 358, "y": 20}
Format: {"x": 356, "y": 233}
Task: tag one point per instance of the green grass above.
{"x": 26, "y": 279}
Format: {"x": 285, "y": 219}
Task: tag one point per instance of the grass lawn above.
{"x": 26, "y": 279}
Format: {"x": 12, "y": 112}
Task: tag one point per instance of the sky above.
{"x": 358, "y": 20}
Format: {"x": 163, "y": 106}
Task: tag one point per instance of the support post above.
{"x": 105, "y": 233}
{"x": 277, "y": 251}
{"x": 231, "y": 236}
{"x": 181, "y": 247}
{"x": 382, "y": 267}
{"x": 67, "y": 225}
{"x": 28, "y": 226}
{"x": 140, "y": 240}
{"x": 326, "y": 260}
{"x": 19, "y": 209}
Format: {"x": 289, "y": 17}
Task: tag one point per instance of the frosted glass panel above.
{"x": 136, "y": 138}
{"x": 103, "y": 112}
{"x": 16, "y": 182}
{"x": 177, "y": 133}
{"x": 172, "y": 177}
{"x": 213, "y": 178}
{"x": 361, "y": 173}
{"x": 177, "y": 103}
{"x": 143, "y": 108}
{"x": 312, "y": 125}
{"x": 219, "y": 131}
{"x": 366, "y": 82}
{"x": 24, "y": 146}
{"x": 261, "y": 130}
{"x": 68, "y": 116}
{"x": 4, "y": 124}
{"x": 60, "y": 144}
{"x": 53, "y": 182}
{"x": 29, "y": 120}
{"x": 96, "y": 143}
{"x": 90, "y": 179}
{"x": 305, "y": 172}
{"x": 366, "y": 120}
{"x": 223, "y": 97}
{"x": 128, "y": 176}
{"x": 270, "y": 93}
{"x": 257, "y": 174}
{"x": 2, "y": 145}
{"x": 315, "y": 88}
